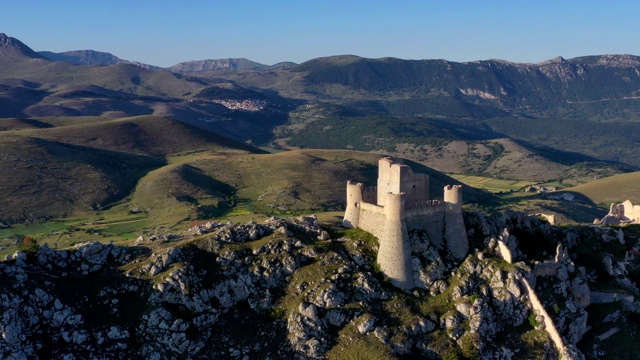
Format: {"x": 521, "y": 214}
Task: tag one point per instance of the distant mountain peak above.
{"x": 12, "y": 47}
{"x": 90, "y": 57}
{"x": 198, "y": 66}
{"x": 555, "y": 60}
{"x": 83, "y": 57}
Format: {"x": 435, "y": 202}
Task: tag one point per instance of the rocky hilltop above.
{"x": 296, "y": 288}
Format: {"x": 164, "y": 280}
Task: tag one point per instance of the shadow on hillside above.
{"x": 124, "y": 169}
{"x": 559, "y": 156}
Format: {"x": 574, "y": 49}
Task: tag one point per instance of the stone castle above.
{"x": 399, "y": 204}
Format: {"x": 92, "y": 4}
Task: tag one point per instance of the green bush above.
{"x": 28, "y": 244}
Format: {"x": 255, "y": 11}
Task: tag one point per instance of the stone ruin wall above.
{"x": 627, "y": 210}
{"x": 549, "y": 326}
{"x": 372, "y": 219}
{"x": 428, "y": 216}
{"x": 623, "y": 213}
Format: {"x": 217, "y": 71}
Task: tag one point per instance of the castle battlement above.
{"x": 398, "y": 204}
{"x": 426, "y": 204}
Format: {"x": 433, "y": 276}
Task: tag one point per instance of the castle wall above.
{"x": 369, "y": 195}
{"x": 415, "y": 187}
{"x": 372, "y": 219}
{"x": 428, "y": 216}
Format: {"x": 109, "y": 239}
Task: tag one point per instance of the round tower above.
{"x": 354, "y": 199}
{"x": 453, "y": 197}
{"x": 455, "y": 233}
{"x": 394, "y": 255}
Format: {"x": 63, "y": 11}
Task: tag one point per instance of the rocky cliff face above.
{"x": 290, "y": 289}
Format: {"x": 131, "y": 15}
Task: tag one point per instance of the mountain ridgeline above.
{"x": 458, "y": 117}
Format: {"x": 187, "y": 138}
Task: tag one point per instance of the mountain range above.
{"x": 564, "y": 120}
{"x": 92, "y": 57}
{"x": 557, "y": 105}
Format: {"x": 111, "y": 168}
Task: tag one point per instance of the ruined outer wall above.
{"x": 549, "y": 326}
{"x": 636, "y": 213}
{"x": 630, "y": 211}
{"x": 372, "y": 219}
{"x": 394, "y": 255}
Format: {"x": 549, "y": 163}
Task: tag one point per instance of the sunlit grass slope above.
{"x": 283, "y": 183}
{"x": 616, "y": 188}
{"x": 145, "y": 135}
{"x": 51, "y": 168}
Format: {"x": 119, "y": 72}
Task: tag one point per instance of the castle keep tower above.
{"x": 400, "y": 203}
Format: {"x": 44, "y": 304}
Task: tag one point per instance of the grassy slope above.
{"x": 88, "y": 163}
{"x": 287, "y": 182}
{"x": 127, "y": 78}
{"x": 616, "y": 188}
{"x": 238, "y": 187}
{"x": 148, "y": 135}
{"x": 43, "y": 179}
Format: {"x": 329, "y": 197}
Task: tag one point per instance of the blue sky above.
{"x": 164, "y": 33}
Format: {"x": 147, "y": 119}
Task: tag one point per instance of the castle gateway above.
{"x": 399, "y": 204}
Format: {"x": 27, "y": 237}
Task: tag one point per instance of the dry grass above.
{"x": 616, "y": 188}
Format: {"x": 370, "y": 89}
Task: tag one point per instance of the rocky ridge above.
{"x": 293, "y": 289}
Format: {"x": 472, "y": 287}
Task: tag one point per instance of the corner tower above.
{"x": 394, "y": 255}
{"x": 455, "y": 233}
{"x": 354, "y": 199}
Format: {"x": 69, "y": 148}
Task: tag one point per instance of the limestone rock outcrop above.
{"x": 278, "y": 290}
